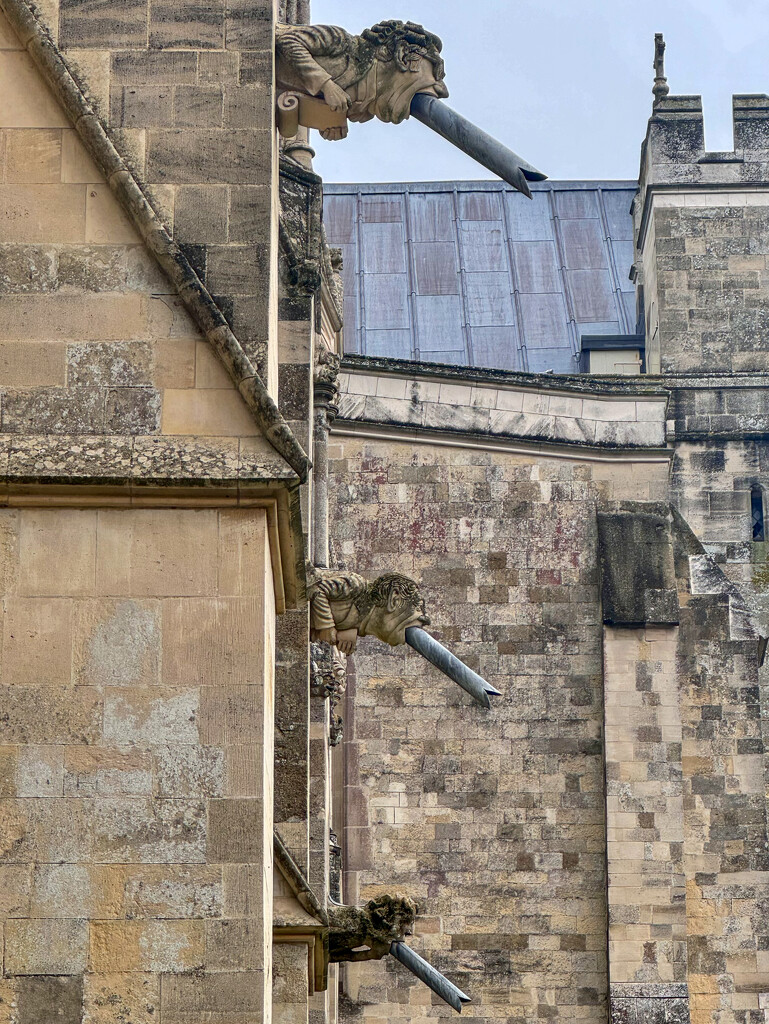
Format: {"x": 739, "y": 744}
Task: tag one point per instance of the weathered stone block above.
{"x": 63, "y": 714}
{"x": 230, "y": 714}
{"x": 96, "y": 771}
{"x": 37, "y": 642}
{"x": 162, "y": 947}
{"x": 33, "y": 104}
{"x": 46, "y": 947}
{"x": 227, "y": 993}
{"x": 33, "y": 155}
{"x": 235, "y": 945}
{"x": 211, "y": 412}
{"x": 189, "y": 157}
{"x": 15, "y": 890}
{"x": 223, "y": 649}
{"x": 62, "y": 317}
{"x": 151, "y": 553}
{"x": 117, "y": 642}
{"x": 88, "y": 24}
{"x": 76, "y": 891}
{"x": 198, "y": 107}
{"x": 37, "y": 998}
{"x": 119, "y": 998}
{"x": 190, "y": 25}
{"x": 150, "y": 715}
{"x": 132, "y": 830}
{"x": 186, "y": 770}
{"x": 200, "y": 213}
{"x": 235, "y": 831}
{"x": 174, "y": 891}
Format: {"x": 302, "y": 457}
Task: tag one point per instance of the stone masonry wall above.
{"x": 135, "y": 765}
{"x": 712, "y": 281}
{"x": 493, "y": 821}
{"x": 187, "y": 94}
{"x": 94, "y": 342}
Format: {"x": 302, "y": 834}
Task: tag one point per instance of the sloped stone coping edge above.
{"x": 195, "y": 296}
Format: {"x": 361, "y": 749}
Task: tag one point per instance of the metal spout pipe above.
{"x": 451, "y": 666}
{"x": 477, "y": 143}
{"x": 442, "y": 987}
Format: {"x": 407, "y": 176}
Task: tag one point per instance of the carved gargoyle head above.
{"x": 366, "y": 933}
{"x": 408, "y": 61}
{"x": 390, "y": 604}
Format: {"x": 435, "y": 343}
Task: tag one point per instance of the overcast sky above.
{"x": 564, "y": 83}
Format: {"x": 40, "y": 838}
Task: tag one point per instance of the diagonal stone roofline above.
{"x": 47, "y": 57}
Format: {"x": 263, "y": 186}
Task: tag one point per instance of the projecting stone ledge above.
{"x": 638, "y": 579}
{"x": 101, "y": 460}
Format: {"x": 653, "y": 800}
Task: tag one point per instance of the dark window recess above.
{"x": 757, "y": 512}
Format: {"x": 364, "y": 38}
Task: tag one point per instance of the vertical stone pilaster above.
{"x": 645, "y": 826}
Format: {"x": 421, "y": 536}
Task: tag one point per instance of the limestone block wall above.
{"x": 645, "y": 819}
{"x": 187, "y": 94}
{"x": 136, "y": 673}
{"x": 94, "y": 341}
{"x": 493, "y": 821}
{"x": 612, "y": 802}
{"x": 711, "y": 283}
{"x": 701, "y": 223}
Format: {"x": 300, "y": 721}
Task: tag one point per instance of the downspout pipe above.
{"x": 442, "y": 987}
{"x": 451, "y": 666}
{"x": 478, "y": 144}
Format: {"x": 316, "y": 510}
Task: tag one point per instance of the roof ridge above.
{"x": 49, "y": 60}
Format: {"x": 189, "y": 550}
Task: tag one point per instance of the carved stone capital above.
{"x": 325, "y": 376}
{"x": 366, "y": 933}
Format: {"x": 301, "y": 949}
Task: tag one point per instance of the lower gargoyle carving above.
{"x": 344, "y": 606}
{"x": 366, "y": 933}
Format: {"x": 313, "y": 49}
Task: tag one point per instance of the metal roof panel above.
{"x": 474, "y": 273}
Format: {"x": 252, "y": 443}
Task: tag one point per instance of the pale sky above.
{"x": 564, "y": 83}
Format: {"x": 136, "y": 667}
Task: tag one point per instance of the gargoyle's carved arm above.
{"x": 331, "y": 589}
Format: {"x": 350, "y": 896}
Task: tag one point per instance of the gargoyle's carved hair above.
{"x": 379, "y": 590}
{"x": 386, "y": 35}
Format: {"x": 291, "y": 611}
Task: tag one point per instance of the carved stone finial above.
{"x": 661, "y": 87}
{"x": 375, "y": 927}
{"x": 344, "y": 606}
{"x": 327, "y": 77}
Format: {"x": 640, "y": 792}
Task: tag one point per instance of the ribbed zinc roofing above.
{"x": 474, "y": 273}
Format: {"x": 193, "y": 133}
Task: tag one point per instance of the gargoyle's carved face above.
{"x": 393, "y": 916}
{"x": 398, "y": 82}
{"x": 398, "y": 606}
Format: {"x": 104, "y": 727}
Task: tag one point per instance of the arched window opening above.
{"x": 757, "y": 512}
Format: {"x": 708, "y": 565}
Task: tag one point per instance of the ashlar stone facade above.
{"x": 188, "y": 788}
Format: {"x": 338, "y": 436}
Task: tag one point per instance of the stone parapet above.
{"x": 616, "y": 418}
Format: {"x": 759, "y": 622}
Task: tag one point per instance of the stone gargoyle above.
{"x": 366, "y": 933}
{"x": 344, "y": 606}
{"x": 326, "y": 76}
